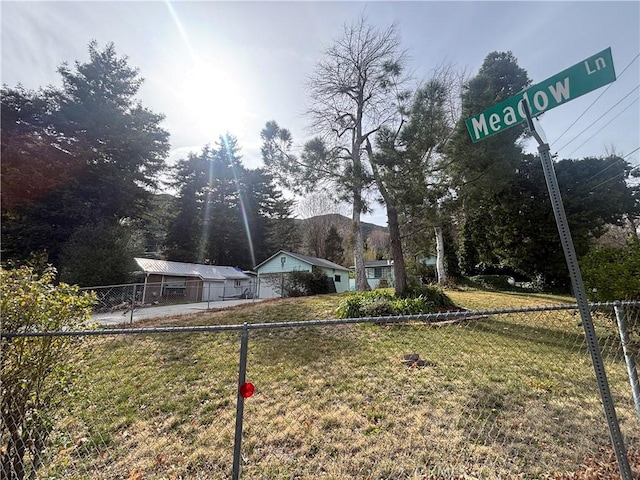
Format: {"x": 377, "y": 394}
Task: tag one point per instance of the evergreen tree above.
{"x": 225, "y": 213}
{"x": 282, "y": 232}
{"x": 409, "y": 170}
{"x": 208, "y": 205}
{"x": 101, "y": 254}
{"x": 333, "y": 246}
{"x": 523, "y": 233}
{"x": 87, "y": 152}
{"x": 268, "y": 216}
{"x": 480, "y": 172}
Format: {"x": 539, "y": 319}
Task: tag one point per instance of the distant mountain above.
{"x": 343, "y": 224}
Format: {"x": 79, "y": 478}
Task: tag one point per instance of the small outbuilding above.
{"x": 273, "y": 271}
{"x": 192, "y": 282}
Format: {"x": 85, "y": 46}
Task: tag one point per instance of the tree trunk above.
{"x": 442, "y": 274}
{"x": 399, "y": 269}
{"x": 362, "y": 284}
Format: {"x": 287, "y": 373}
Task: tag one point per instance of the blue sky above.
{"x": 213, "y": 67}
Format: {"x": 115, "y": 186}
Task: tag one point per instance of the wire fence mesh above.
{"x": 115, "y": 298}
{"x": 500, "y": 394}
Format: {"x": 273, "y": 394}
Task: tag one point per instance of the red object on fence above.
{"x": 247, "y": 389}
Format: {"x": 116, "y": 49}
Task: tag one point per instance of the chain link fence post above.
{"x": 242, "y": 373}
{"x": 629, "y": 358}
{"x": 133, "y": 302}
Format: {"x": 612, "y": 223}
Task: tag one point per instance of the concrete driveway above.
{"x": 120, "y": 317}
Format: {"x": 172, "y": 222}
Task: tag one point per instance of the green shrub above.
{"x": 414, "y": 306}
{"x": 382, "y": 303}
{"x": 35, "y": 375}
{"x": 299, "y": 283}
{"x": 612, "y": 273}
{"x": 430, "y": 293}
{"x": 378, "y": 308}
{"x": 350, "y": 307}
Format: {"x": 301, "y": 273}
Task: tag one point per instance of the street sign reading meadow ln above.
{"x": 583, "y": 77}
{"x": 592, "y": 73}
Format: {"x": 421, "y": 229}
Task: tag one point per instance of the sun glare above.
{"x": 213, "y": 100}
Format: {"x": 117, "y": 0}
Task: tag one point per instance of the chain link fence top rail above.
{"x": 491, "y": 394}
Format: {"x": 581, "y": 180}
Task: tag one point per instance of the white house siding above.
{"x": 270, "y": 274}
{"x": 216, "y": 291}
{"x": 194, "y": 282}
{"x": 343, "y": 284}
{"x": 239, "y": 288}
{"x": 212, "y": 291}
{"x": 269, "y": 285}
{"x": 290, "y": 264}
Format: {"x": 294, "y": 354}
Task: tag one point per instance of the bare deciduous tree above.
{"x": 354, "y": 92}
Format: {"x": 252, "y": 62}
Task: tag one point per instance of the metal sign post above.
{"x": 586, "y": 76}
{"x": 583, "y": 305}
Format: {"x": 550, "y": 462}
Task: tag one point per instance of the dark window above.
{"x": 337, "y": 278}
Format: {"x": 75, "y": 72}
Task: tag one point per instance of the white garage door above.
{"x": 267, "y": 285}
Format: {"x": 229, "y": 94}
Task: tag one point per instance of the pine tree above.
{"x": 85, "y": 153}
{"x": 226, "y": 214}
{"x": 333, "y": 246}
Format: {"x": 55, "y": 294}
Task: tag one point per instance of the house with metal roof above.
{"x": 192, "y": 282}
{"x": 273, "y": 272}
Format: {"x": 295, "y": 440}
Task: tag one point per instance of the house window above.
{"x": 337, "y": 278}
{"x": 238, "y": 283}
{"x": 377, "y": 272}
{"x": 174, "y": 287}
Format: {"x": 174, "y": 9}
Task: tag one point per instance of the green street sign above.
{"x": 584, "y": 77}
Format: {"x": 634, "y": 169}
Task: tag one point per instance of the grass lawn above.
{"x": 508, "y": 396}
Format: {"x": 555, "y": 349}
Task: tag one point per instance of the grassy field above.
{"x": 509, "y": 396}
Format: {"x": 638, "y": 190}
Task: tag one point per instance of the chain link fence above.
{"x": 489, "y": 394}
{"x": 121, "y": 298}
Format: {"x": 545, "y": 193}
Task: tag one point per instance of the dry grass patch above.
{"x": 495, "y": 398}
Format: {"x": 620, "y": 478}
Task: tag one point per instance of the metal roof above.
{"x": 318, "y": 262}
{"x": 179, "y": 269}
{"x": 231, "y": 273}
